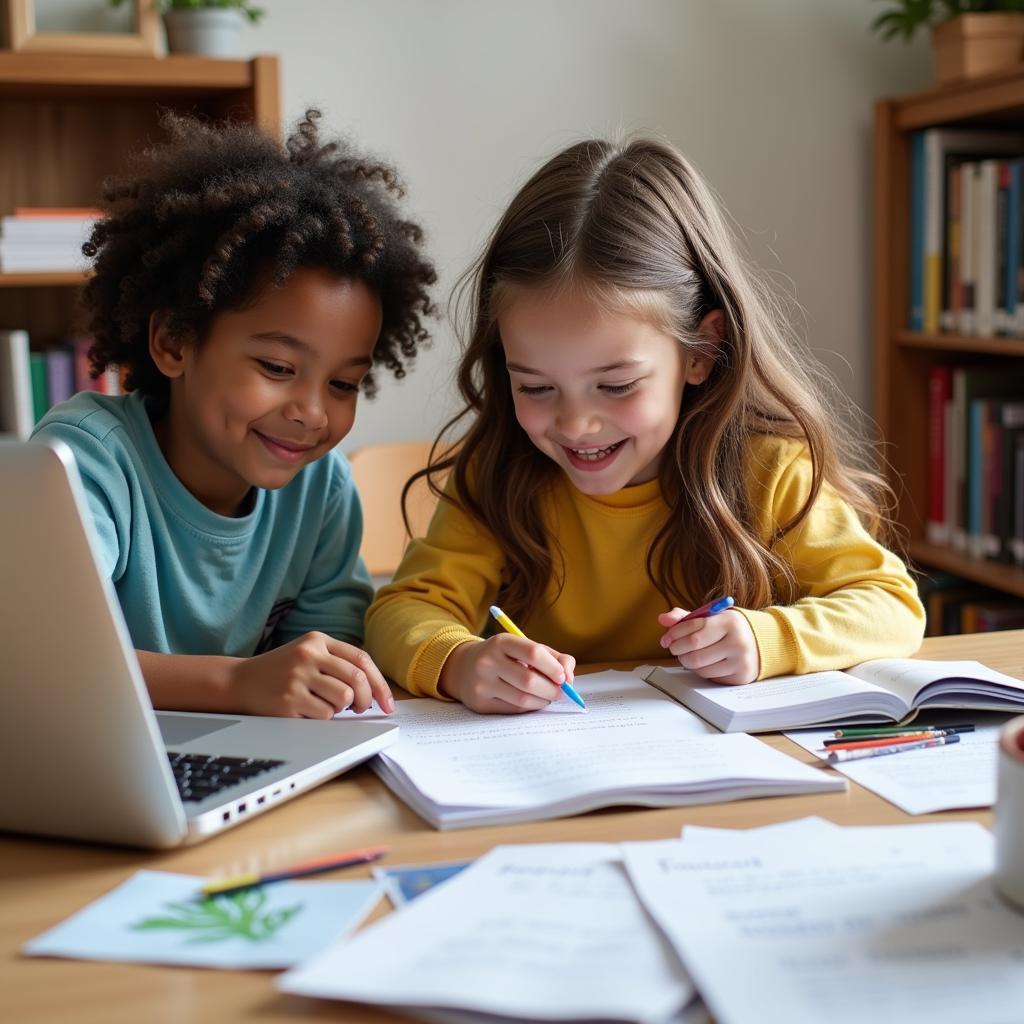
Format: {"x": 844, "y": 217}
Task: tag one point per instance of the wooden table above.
{"x": 42, "y": 882}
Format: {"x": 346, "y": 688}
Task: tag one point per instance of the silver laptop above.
{"x": 82, "y": 753}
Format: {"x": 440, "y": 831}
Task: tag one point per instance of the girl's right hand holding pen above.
{"x": 505, "y": 675}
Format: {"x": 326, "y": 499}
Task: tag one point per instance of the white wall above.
{"x": 771, "y": 98}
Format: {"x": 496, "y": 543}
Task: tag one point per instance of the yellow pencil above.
{"x": 510, "y": 627}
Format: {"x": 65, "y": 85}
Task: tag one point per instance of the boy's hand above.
{"x": 505, "y": 675}
{"x": 720, "y": 647}
{"x": 314, "y": 676}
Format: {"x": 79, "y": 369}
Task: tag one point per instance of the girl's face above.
{"x": 596, "y": 391}
{"x": 271, "y": 388}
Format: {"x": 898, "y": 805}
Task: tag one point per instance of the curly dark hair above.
{"x": 218, "y": 210}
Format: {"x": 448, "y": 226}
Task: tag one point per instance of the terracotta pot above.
{"x": 971, "y": 45}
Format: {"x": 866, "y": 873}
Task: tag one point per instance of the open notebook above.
{"x": 458, "y": 769}
{"x": 887, "y": 690}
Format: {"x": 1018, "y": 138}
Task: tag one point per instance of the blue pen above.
{"x": 711, "y": 608}
{"x": 510, "y": 627}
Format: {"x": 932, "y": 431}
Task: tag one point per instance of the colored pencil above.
{"x": 310, "y": 867}
{"x": 721, "y": 604}
{"x": 510, "y": 627}
{"x": 881, "y": 741}
{"x": 860, "y": 732}
{"x": 842, "y": 756}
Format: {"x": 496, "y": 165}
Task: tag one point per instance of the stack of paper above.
{"x": 802, "y": 922}
{"x": 838, "y": 924}
{"x": 36, "y": 240}
{"x": 633, "y": 746}
{"x": 551, "y": 932}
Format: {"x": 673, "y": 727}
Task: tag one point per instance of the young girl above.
{"x": 646, "y": 438}
{"x": 246, "y": 290}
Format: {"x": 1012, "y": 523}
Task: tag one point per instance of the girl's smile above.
{"x": 592, "y": 459}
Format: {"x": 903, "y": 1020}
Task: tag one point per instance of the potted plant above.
{"x": 212, "y": 28}
{"x": 969, "y": 37}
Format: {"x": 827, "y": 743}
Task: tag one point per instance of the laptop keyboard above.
{"x": 201, "y": 775}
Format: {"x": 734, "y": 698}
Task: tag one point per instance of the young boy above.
{"x": 246, "y": 290}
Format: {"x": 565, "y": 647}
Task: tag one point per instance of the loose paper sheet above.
{"x": 934, "y": 779}
{"x": 844, "y": 925}
{"x": 550, "y": 932}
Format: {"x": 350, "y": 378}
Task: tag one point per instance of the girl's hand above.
{"x": 505, "y": 675}
{"x": 719, "y": 647}
{"x": 314, "y": 676}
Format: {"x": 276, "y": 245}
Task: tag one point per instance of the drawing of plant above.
{"x": 218, "y": 918}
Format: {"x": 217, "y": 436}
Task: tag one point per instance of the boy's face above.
{"x": 271, "y": 388}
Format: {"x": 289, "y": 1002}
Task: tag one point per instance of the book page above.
{"x": 633, "y": 739}
{"x": 836, "y": 693}
{"x": 550, "y": 932}
{"x": 907, "y": 677}
{"x": 897, "y": 923}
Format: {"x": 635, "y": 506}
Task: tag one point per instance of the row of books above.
{"x": 967, "y": 232}
{"x": 38, "y": 239}
{"x": 976, "y": 461}
{"x": 31, "y": 381}
{"x": 954, "y": 605}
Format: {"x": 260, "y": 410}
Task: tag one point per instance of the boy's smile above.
{"x": 597, "y": 391}
{"x": 270, "y": 389}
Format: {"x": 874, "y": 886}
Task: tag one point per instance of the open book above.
{"x": 458, "y": 769}
{"x": 887, "y": 690}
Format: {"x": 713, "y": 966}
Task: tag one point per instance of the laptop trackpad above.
{"x": 177, "y": 729}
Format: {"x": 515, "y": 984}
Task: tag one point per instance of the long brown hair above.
{"x": 638, "y": 227}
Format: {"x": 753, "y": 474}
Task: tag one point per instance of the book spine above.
{"x": 16, "y": 413}
{"x": 40, "y": 395}
{"x": 932, "y": 284}
{"x": 917, "y": 188}
{"x": 940, "y": 390}
{"x": 951, "y": 306}
{"x": 1013, "y": 249}
{"x": 985, "y": 283}
{"x": 1001, "y": 319}
{"x": 959, "y": 432}
{"x": 993, "y": 478}
{"x": 968, "y": 246}
{"x": 60, "y": 375}
{"x": 976, "y": 416}
{"x": 949, "y": 491}
{"x": 1008, "y": 447}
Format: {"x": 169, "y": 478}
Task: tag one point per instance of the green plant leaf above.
{"x": 236, "y": 915}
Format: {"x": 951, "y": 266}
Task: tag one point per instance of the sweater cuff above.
{"x": 776, "y": 642}
{"x": 425, "y": 671}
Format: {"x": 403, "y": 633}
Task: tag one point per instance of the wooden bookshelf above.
{"x": 903, "y": 358}
{"x": 68, "y": 122}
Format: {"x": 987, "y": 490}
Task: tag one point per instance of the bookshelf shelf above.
{"x": 992, "y": 99}
{"x": 68, "y": 122}
{"x": 1006, "y": 578}
{"x": 64, "y": 279}
{"x": 904, "y": 359}
{"x": 956, "y": 343}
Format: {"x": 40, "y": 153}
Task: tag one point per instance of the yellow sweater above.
{"x": 857, "y": 599}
